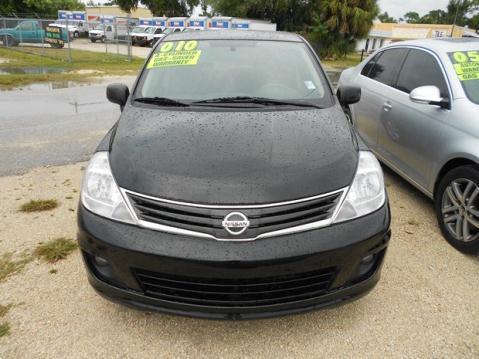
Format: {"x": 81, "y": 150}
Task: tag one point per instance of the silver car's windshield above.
{"x": 466, "y": 65}
{"x": 139, "y": 29}
{"x": 208, "y": 69}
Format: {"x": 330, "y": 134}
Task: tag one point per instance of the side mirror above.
{"x": 428, "y": 95}
{"x": 118, "y": 93}
{"x": 349, "y": 95}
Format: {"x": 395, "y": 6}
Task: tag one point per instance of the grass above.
{"x": 4, "y": 309}
{"x": 39, "y": 205}
{"x": 4, "y": 329}
{"x": 10, "y": 266}
{"x": 350, "y": 60}
{"x": 105, "y": 64}
{"x": 413, "y": 222}
{"x": 55, "y": 249}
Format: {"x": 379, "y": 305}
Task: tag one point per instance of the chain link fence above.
{"x": 57, "y": 38}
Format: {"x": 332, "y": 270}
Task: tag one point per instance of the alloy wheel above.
{"x": 460, "y": 209}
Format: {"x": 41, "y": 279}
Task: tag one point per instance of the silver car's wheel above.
{"x": 460, "y": 209}
{"x": 457, "y": 207}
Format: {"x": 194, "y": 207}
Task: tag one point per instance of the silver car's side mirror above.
{"x": 428, "y": 95}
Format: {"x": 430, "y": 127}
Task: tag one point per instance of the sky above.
{"x": 397, "y": 8}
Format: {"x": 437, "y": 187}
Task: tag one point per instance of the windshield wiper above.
{"x": 161, "y": 101}
{"x": 255, "y": 100}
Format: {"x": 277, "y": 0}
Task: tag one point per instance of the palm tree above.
{"x": 350, "y": 18}
{"x": 340, "y": 23}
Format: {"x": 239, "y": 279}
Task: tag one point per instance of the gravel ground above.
{"x": 426, "y": 304}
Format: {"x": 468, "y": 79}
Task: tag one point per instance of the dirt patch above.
{"x": 426, "y": 304}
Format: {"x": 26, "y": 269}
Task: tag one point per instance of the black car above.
{"x": 233, "y": 186}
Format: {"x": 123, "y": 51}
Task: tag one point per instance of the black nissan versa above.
{"x": 233, "y": 186}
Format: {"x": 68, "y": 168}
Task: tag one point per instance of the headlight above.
{"x": 100, "y": 193}
{"x": 366, "y": 193}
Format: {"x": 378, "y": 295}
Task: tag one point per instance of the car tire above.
{"x": 76, "y": 34}
{"x": 93, "y": 40}
{"x": 9, "y": 41}
{"x": 457, "y": 208}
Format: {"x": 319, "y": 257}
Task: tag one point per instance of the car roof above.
{"x": 445, "y": 44}
{"x": 234, "y": 35}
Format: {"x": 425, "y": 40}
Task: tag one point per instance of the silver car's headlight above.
{"x": 367, "y": 193}
{"x": 100, "y": 193}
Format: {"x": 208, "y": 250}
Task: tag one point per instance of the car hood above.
{"x": 233, "y": 157}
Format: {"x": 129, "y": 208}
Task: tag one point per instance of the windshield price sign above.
{"x": 53, "y": 35}
{"x": 466, "y": 64}
{"x": 176, "y": 53}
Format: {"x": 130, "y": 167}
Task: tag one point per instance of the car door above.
{"x": 375, "y": 81}
{"x": 409, "y": 133}
{"x": 27, "y": 32}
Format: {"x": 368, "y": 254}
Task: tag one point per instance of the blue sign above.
{"x": 177, "y": 23}
{"x": 107, "y": 20}
{"x": 220, "y": 24}
{"x": 62, "y": 14}
{"x": 161, "y": 23}
{"x": 196, "y": 23}
{"x": 79, "y": 15}
{"x": 241, "y": 25}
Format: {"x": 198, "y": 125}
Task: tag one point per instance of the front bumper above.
{"x": 140, "y": 41}
{"x": 207, "y": 278}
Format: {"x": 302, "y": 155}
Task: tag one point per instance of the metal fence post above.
{"x": 68, "y": 39}
{"x": 128, "y": 24}
{"x": 21, "y": 36}
{"x": 4, "y": 36}
{"x": 105, "y": 26}
{"x": 43, "y": 27}
{"x": 116, "y": 37}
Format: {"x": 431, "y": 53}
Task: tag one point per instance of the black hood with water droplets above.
{"x": 226, "y": 157}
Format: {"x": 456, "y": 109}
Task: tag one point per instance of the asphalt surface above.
{"x": 41, "y": 126}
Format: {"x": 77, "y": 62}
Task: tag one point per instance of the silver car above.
{"x": 419, "y": 113}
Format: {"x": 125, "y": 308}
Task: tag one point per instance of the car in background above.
{"x": 28, "y": 31}
{"x": 137, "y": 31}
{"x": 419, "y": 113}
{"x": 233, "y": 186}
{"x": 168, "y": 30}
{"x": 73, "y": 28}
{"x": 147, "y": 37}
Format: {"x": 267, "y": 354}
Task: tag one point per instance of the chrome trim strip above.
{"x": 281, "y": 232}
{"x": 126, "y": 191}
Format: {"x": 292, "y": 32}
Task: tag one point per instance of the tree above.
{"x": 290, "y": 15}
{"x": 340, "y": 23}
{"x": 169, "y": 8}
{"x": 384, "y": 17}
{"x": 435, "y": 17}
{"x": 38, "y": 8}
{"x": 412, "y": 17}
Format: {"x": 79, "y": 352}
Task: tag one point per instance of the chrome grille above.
{"x": 206, "y": 220}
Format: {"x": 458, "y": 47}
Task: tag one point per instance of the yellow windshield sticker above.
{"x": 175, "y": 53}
{"x": 466, "y": 64}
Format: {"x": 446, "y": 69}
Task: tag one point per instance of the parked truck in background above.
{"x": 28, "y": 31}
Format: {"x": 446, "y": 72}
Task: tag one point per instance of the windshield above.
{"x": 150, "y": 30}
{"x": 168, "y": 30}
{"x": 209, "y": 69}
{"x": 466, "y": 64}
{"x": 139, "y": 29}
